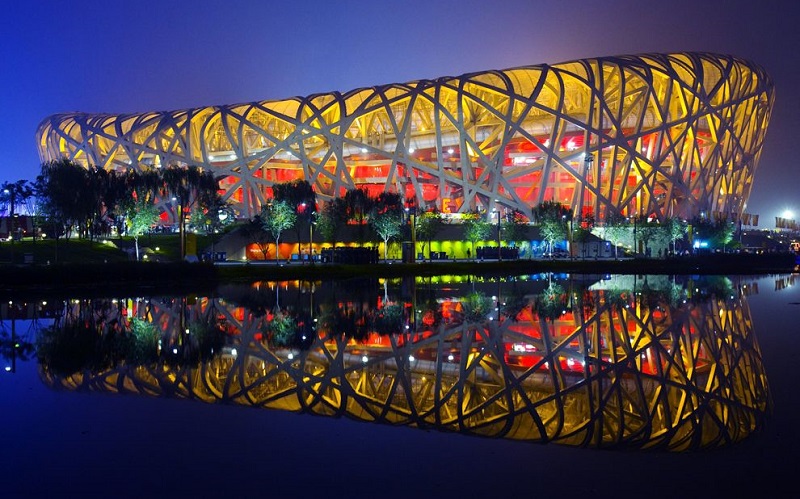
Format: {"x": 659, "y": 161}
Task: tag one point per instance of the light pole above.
{"x": 181, "y": 227}
{"x": 410, "y": 214}
{"x": 311, "y": 225}
{"x": 499, "y": 250}
{"x": 567, "y": 218}
{"x": 221, "y": 216}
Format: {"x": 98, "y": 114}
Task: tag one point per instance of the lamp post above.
{"x": 410, "y": 212}
{"x": 181, "y": 228}
{"x": 311, "y": 225}
{"x": 499, "y": 250}
{"x": 567, "y": 218}
{"x": 11, "y": 202}
{"x": 221, "y": 216}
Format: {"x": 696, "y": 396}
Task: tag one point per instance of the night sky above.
{"x": 131, "y": 56}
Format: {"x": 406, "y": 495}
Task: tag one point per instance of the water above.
{"x": 429, "y": 387}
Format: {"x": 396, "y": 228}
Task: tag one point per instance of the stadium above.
{"x": 654, "y": 135}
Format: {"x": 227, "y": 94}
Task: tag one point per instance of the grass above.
{"x": 99, "y": 251}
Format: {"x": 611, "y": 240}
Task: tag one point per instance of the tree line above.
{"x": 67, "y": 198}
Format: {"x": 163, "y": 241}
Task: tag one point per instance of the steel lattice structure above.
{"x": 656, "y": 135}
{"x": 627, "y": 370}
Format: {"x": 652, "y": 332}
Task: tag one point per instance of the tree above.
{"x": 332, "y": 218}
{"x": 140, "y": 216}
{"x": 277, "y": 217}
{"x": 427, "y": 225}
{"x": 476, "y": 228}
{"x": 616, "y": 229}
{"x": 108, "y": 194}
{"x": 388, "y": 226}
{"x": 514, "y": 227}
{"x": 300, "y": 195}
{"x": 358, "y": 204}
{"x": 386, "y": 218}
{"x": 647, "y": 232}
{"x": 676, "y": 229}
{"x": 213, "y": 219}
{"x": 717, "y": 233}
{"x": 552, "y": 218}
{"x": 14, "y": 194}
{"x": 189, "y": 187}
{"x": 60, "y": 188}
{"x": 254, "y": 229}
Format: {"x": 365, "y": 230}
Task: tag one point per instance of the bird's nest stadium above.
{"x": 654, "y": 135}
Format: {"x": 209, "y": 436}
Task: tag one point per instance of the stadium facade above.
{"x": 655, "y": 135}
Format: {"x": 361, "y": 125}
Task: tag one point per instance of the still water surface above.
{"x": 436, "y": 386}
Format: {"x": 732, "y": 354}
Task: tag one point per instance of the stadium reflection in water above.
{"x": 623, "y": 362}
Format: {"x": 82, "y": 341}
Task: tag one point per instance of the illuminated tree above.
{"x": 331, "y": 220}
{"x": 552, "y": 218}
{"x": 476, "y": 228}
{"x": 386, "y": 218}
{"x": 427, "y": 225}
{"x": 141, "y": 215}
{"x": 276, "y": 218}
{"x": 514, "y": 227}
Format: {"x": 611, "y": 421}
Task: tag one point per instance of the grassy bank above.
{"x": 110, "y": 276}
{"x": 104, "y": 268}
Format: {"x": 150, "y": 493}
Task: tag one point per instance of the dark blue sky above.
{"x": 131, "y": 56}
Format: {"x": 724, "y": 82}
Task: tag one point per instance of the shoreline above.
{"x": 107, "y": 278}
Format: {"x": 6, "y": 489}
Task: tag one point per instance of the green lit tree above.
{"x": 299, "y": 194}
{"x": 427, "y": 226}
{"x": 552, "y": 218}
{"x": 676, "y": 229}
{"x": 141, "y": 215}
{"x": 475, "y": 228}
{"x": 617, "y": 230}
{"x": 386, "y": 218}
{"x": 331, "y": 220}
{"x": 514, "y": 227}
{"x": 277, "y": 217}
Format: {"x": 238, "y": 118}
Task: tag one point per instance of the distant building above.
{"x": 654, "y": 135}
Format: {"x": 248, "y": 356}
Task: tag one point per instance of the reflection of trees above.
{"x": 87, "y": 337}
{"x": 514, "y": 303}
{"x": 620, "y": 366}
{"x": 93, "y": 335}
{"x": 426, "y": 308}
{"x": 476, "y": 307}
{"x": 550, "y": 303}
{"x": 389, "y": 319}
{"x": 13, "y": 346}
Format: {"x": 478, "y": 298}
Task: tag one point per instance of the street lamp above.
{"x": 497, "y": 212}
{"x": 499, "y": 251}
{"x": 569, "y": 218}
{"x": 410, "y": 215}
{"x": 311, "y": 225}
